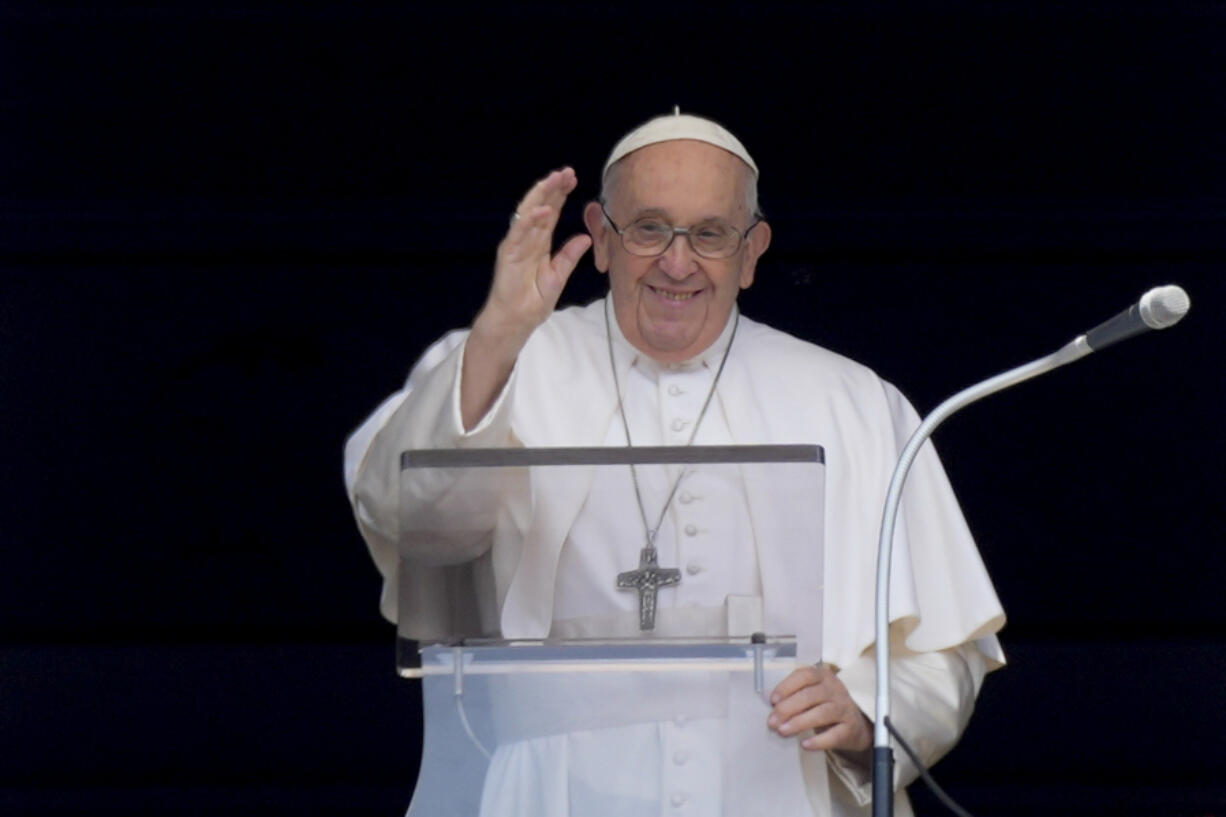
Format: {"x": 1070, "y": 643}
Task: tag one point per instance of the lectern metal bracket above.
{"x": 457, "y": 663}
{"x": 758, "y": 640}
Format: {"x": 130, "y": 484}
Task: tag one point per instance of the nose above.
{"x": 679, "y": 261}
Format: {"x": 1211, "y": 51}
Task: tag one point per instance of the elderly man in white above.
{"x": 667, "y": 359}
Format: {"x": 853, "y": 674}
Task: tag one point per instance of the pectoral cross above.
{"x": 647, "y": 579}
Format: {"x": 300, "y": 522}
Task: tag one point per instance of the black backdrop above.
{"x": 226, "y": 230}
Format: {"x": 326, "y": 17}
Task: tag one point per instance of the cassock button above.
{"x": 678, "y": 799}
{"x": 686, "y": 497}
{"x": 679, "y": 424}
{"x": 693, "y": 568}
{"x": 691, "y": 530}
{"x": 675, "y": 390}
{"x": 680, "y": 757}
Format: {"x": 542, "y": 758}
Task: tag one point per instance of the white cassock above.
{"x": 736, "y": 576}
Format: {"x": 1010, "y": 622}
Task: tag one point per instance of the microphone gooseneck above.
{"x": 1159, "y": 308}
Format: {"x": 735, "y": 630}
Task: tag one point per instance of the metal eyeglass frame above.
{"x": 685, "y": 231}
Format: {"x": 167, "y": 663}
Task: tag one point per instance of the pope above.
{"x": 667, "y": 359}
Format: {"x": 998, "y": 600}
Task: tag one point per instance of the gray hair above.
{"x": 608, "y": 186}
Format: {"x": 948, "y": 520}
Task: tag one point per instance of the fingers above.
{"x": 807, "y": 708}
{"x": 542, "y": 204}
{"x": 528, "y": 277}
{"x": 570, "y": 253}
{"x": 799, "y": 679}
{"x": 814, "y": 698}
{"x": 563, "y": 264}
{"x": 531, "y": 232}
{"x": 529, "y": 236}
{"x": 822, "y": 715}
{"x": 802, "y": 691}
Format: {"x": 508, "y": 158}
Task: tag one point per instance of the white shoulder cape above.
{"x": 774, "y": 389}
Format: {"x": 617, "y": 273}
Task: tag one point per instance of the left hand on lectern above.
{"x": 814, "y": 698}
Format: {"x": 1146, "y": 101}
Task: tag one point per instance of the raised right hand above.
{"x": 528, "y": 280}
{"x": 527, "y": 284}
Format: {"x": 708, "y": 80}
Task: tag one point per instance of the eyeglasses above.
{"x": 651, "y": 235}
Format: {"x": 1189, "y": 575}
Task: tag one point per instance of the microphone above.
{"x": 1159, "y": 308}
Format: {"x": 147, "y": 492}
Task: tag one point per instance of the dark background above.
{"x": 227, "y": 229}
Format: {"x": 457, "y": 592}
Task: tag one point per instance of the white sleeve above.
{"x": 932, "y": 696}
{"x": 424, "y": 414}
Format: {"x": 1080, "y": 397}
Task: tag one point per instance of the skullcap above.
{"x": 679, "y": 125}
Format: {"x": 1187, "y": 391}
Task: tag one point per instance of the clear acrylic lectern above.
{"x": 620, "y": 721}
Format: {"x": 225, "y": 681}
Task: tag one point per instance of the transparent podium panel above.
{"x": 618, "y": 728}
{"x": 602, "y": 602}
{"x": 614, "y": 541}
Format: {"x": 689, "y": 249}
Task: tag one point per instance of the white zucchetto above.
{"x": 679, "y": 125}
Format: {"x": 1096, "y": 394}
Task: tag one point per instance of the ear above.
{"x": 756, "y": 242}
{"x": 600, "y": 232}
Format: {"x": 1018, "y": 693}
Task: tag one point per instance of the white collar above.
{"x": 627, "y": 355}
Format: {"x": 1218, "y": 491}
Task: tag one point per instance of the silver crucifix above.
{"x": 647, "y": 579}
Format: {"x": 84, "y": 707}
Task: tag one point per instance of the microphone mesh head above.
{"x": 1164, "y": 306}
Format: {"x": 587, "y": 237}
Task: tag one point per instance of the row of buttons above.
{"x": 680, "y": 758}
{"x": 692, "y": 568}
{"x": 678, "y": 424}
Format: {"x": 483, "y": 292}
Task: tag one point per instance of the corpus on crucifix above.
{"x": 647, "y": 579}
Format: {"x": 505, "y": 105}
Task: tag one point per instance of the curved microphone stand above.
{"x": 1159, "y": 308}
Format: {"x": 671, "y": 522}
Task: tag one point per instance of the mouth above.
{"x": 670, "y": 295}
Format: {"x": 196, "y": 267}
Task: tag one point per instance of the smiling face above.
{"x": 674, "y": 305}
